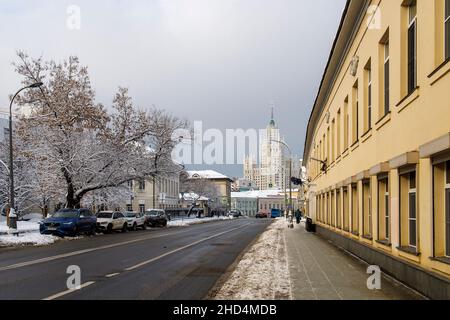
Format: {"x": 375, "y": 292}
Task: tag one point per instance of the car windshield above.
{"x": 130, "y": 214}
{"x": 66, "y": 214}
{"x": 153, "y": 213}
{"x": 106, "y": 215}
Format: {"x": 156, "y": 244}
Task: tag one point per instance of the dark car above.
{"x": 69, "y": 222}
{"x": 235, "y": 213}
{"x": 156, "y": 218}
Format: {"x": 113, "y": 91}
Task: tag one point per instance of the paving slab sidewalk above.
{"x": 321, "y": 271}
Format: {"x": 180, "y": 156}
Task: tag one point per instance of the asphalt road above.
{"x": 174, "y": 263}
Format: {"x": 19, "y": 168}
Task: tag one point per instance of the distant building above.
{"x": 242, "y": 184}
{"x": 220, "y": 181}
{"x": 4, "y": 125}
{"x": 272, "y": 171}
{"x": 166, "y": 195}
{"x": 252, "y": 202}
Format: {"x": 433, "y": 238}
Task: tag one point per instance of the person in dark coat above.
{"x": 298, "y": 216}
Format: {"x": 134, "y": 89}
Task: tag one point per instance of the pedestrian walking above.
{"x": 298, "y": 216}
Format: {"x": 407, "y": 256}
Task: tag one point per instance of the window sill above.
{"x": 409, "y": 250}
{"x": 367, "y": 135}
{"x": 439, "y": 72}
{"x": 367, "y": 237}
{"x": 406, "y": 101}
{"x": 445, "y": 260}
{"x": 385, "y": 243}
{"x": 382, "y": 122}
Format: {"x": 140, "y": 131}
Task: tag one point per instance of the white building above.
{"x": 272, "y": 171}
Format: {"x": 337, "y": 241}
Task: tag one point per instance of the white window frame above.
{"x": 447, "y": 187}
{"x": 411, "y": 22}
{"x": 387, "y": 57}
{"x": 412, "y": 191}
{"x": 387, "y": 232}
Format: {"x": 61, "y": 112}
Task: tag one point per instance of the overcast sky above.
{"x": 220, "y": 61}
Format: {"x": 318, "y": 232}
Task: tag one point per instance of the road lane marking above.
{"x": 58, "y": 295}
{"x": 61, "y": 294}
{"x": 112, "y": 275}
{"x": 183, "y": 248}
{"x": 79, "y": 252}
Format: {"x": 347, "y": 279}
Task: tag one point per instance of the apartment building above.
{"x": 165, "y": 195}
{"x": 377, "y": 149}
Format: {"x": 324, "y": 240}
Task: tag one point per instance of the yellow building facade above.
{"x": 377, "y": 149}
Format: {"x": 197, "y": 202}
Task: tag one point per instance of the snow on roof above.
{"x": 258, "y": 194}
{"x": 207, "y": 174}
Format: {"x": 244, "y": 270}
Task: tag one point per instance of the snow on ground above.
{"x": 22, "y": 226}
{"x": 32, "y": 238}
{"x": 190, "y": 221}
{"x": 263, "y": 272}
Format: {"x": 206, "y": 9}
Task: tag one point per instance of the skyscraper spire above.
{"x": 272, "y": 119}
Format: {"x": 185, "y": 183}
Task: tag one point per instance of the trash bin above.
{"x": 309, "y": 226}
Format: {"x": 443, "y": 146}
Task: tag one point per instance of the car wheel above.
{"x": 125, "y": 228}
{"x": 109, "y": 228}
{"x": 135, "y": 226}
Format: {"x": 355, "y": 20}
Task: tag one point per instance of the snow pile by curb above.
{"x": 188, "y": 222}
{"x": 263, "y": 272}
{"x": 22, "y": 226}
{"x": 27, "y": 239}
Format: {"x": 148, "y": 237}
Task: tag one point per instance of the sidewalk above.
{"x": 321, "y": 271}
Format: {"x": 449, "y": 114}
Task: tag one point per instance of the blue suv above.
{"x": 70, "y": 222}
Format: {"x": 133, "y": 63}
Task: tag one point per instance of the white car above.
{"x": 135, "y": 220}
{"x": 108, "y": 221}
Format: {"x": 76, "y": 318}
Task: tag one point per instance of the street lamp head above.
{"x": 36, "y": 85}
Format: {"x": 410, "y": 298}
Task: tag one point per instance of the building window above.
{"x": 130, "y": 184}
{"x": 367, "y": 210}
{"x": 338, "y": 133}
{"x": 346, "y": 209}
{"x": 368, "y": 116}
{"x": 355, "y": 210}
{"x": 412, "y": 47}
{"x": 447, "y": 209}
{"x": 408, "y": 210}
{"x": 447, "y": 29}
{"x": 412, "y": 210}
{"x": 338, "y": 209}
{"x": 129, "y": 207}
{"x": 333, "y": 208}
{"x": 346, "y": 124}
{"x": 142, "y": 208}
{"x": 141, "y": 185}
{"x": 386, "y": 78}
{"x": 355, "y": 113}
{"x": 383, "y": 209}
{"x": 333, "y": 140}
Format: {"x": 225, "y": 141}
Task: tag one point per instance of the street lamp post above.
{"x": 290, "y": 171}
{"x": 12, "y": 213}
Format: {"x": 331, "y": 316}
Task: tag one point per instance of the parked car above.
{"x": 156, "y": 218}
{"x": 275, "y": 213}
{"x": 261, "y": 215}
{"x": 135, "y": 220}
{"x": 69, "y": 222}
{"x": 235, "y": 213}
{"x": 108, "y": 221}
